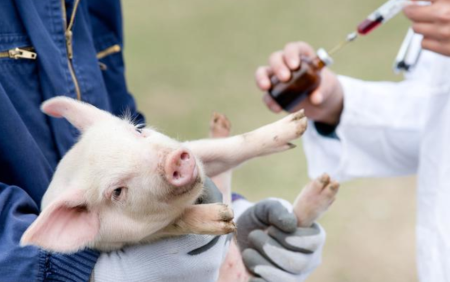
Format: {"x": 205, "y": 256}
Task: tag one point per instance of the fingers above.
{"x": 254, "y": 279}
{"x": 316, "y": 98}
{"x": 261, "y": 216}
{"x": 433, "y": 31}
{"x": 424, "y": 14}
{"x": 427, "y": 29}
{"x": 279, "y": 66}
{"x": 433, "y": 22}
{"x": 293, "y": 51}
{"x": 283, "y": 62}
{"x": 272, "y": 251}
{"x": 261, "y": 267}
{"x": 271, "y": 212}
{"x": 273, "y": 274}
{"x": 436, "y": 46}
{"x": 304, "y": 240}
{"x": 262, "y": 77}
{"x": 252, "y": 259}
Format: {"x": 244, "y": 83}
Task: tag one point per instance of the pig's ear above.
{"x": 66, "y": 226}
{"x": 79, "y": 114}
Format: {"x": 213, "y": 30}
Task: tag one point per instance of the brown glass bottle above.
{"x": 303, "y": 81}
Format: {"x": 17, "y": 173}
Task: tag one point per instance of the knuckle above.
{"x": 443, "y": 14}
{"x": 280, "y": 70}
{"x": 416, "y": 28}
{"x": 275, "y": 56}
{"x": 444, "y": 32}
{"x": 260, "y": 71}
{"x": 426, "y": 44}
{"x": 291, "y": 46}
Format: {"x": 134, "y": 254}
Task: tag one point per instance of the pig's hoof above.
{"x": 298, "y": 123}
{"x": 315, "y": 199}
{"x": 220, "y": 126}
{"x": 228, "y": 227}
{"x": 226, "y": 213}
{"x": 224, "y": 223}
{"x": 282, "y": 132}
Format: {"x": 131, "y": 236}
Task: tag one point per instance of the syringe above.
{"x": 350, "y": 37}
{"x": 386, "y": 12}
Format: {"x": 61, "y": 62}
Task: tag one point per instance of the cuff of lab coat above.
{"x": 323, "y": 154}
{"x": 74, "y": 267}
{"x": 326, "y": 152}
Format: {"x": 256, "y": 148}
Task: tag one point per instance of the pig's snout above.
{"x": 181, "y": 168}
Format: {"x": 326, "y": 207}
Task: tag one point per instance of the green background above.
{"x": 187, "y": 59}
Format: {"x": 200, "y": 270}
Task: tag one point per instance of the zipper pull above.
{"x": 69, "y": 44}
{"x": 18, "y": 53}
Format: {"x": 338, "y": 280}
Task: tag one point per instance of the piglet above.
{"x": 122, "y": 184}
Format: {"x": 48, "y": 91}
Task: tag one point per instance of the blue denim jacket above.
{"x": 31, "y": 144}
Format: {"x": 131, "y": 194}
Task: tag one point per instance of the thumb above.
{"x": 273, "y": 213}
{"x": 316, "y": 98}
{"x": 261, "y": 216}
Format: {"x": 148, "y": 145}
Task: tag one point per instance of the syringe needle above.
{"x": 350, "y": 37}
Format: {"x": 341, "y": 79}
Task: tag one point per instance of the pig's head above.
{"x": 118, "y": 185}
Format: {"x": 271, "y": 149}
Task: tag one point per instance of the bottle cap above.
{"x": 324, "y": 57}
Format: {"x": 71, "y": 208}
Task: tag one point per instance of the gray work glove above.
{"x": 188, "y": 258}
{"x": 273, "y": 248}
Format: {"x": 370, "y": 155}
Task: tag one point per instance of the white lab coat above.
{"x": 392, "y": 129}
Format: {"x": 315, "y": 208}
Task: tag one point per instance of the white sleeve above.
{"x": 187, "y": 258}
{"x": 379, "y": 131}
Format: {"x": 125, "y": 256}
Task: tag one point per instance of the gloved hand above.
{"x": 189, "y": 258}
{"x": 274, "y": 249}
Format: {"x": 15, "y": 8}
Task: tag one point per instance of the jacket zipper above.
{"x": 68, "y": 35}
{"x": 19, "y": 53}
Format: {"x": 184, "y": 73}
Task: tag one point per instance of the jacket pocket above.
{"x": 107, "y": 52}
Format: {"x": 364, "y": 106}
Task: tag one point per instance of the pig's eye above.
{"x": 117, "y": 193}
{"x": 139, "y": 127}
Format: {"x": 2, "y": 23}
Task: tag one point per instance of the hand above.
{"x": 184, "y": 258}
{"x": 325, "y": 104}
{"x": 284, "y": 252}
{"x": 433, "y": 22}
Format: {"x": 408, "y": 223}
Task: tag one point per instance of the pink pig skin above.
{"x": 122, "y": 185}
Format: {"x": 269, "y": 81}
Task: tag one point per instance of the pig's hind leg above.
{"x": 220, "y": 155}
{"x": 212, "y": 219}
{"x": 315, "y": 199}
{"x": 220, "y": 127}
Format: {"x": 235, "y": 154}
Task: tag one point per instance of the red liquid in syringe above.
{"x": 367, "y": 26}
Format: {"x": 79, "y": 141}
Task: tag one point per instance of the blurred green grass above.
{"x": 187, "y": 59}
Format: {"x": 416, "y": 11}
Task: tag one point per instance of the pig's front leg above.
{"x": 219, "y": 155}
{"x": 212, "y": 219}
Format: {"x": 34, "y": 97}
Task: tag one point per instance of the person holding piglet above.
{"x": 53, "y": 49}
